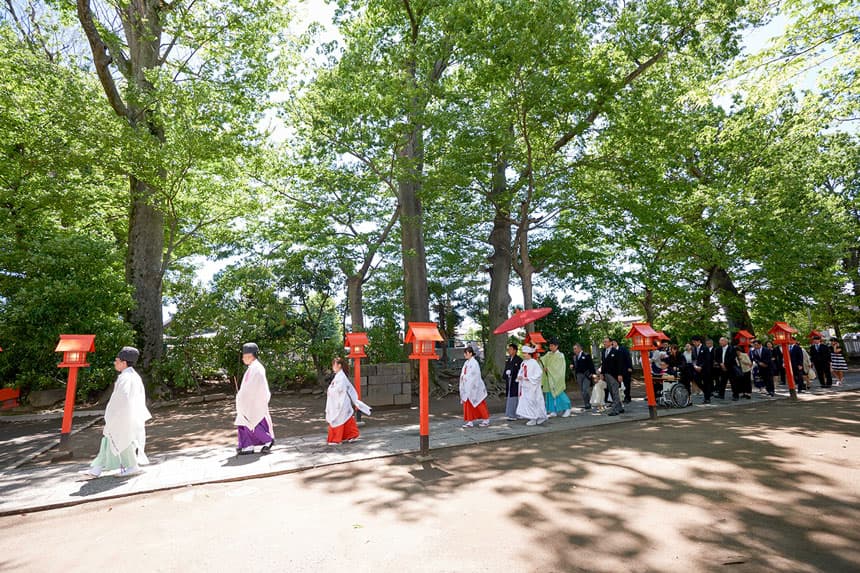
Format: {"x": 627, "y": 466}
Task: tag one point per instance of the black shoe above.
{"x": 267, "y": 448}
{"x": 627, "y": 400}
{"x": 771, "y": 394}
{"x": 612, "y": 414}
{"x": 747, "y": 396}
{"x": 735, "y": 398}
{"x": 706, "y": 401}
{"x": 241, "y": 452}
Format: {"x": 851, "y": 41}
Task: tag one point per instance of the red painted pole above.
{"x": 69, "y": 408}
{"x": 424, "y": 406}
{"x": 356, "y": 362}
{"x": 649, "y": 385}
{"x": 789, "y": 372}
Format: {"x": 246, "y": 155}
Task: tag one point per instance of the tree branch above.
{"x": 102, "y": 58}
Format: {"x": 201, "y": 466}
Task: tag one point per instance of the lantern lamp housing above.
{"x": 423, "y": 337}
{"x": 642, "y": 335}
{"x": 75, "y": 348}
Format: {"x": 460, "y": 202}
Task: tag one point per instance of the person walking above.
{"x": 473, "y": 392}
{"x": 703, "y": 366}
{"x": 795, "y": 362}
{"x": 762, "y": 357}
{"x": 778, "y": 361}
{"x": 341, "y": 402}
{"x": 820, "y": 356}
{"x": 253, "y": 421}
{"x": 124, "y": 434}
{"x": 512, "y": 386}
{"x": 583, "y": 369}
{"x": 838, "y": 363}
{"x": 554, "y": 381}
{"x": 532, "y": 404}
{"x": 728, "y": 370}
{"x": 627, "y": 373}
{"x": 612, "y": 368}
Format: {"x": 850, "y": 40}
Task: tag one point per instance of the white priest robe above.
{"x": 125, "y": 415}
{"x": 252, "y": 400}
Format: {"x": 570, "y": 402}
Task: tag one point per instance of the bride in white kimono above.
{"x": 532, "y": 404}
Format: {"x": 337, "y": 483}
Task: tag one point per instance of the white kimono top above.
{"x": 126, "y": 414}
{"x": 532, "y": 404}
{"x": 252, "y": 400}
{"x": 340, "y": 398}
{"x": 472, "y": 387}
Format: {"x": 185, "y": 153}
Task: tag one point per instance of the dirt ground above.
{"x": 769, "y": 486}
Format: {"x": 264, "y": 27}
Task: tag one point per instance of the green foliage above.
{"x": 386, "y": 343}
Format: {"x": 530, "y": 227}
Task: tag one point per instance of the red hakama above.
{"x": 479, "y": 412}
{"x": 346, "y": 431}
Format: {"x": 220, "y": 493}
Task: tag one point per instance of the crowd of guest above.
{"x": 710, "y": 370}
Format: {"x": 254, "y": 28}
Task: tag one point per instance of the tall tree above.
{"x": 186, "y": 78}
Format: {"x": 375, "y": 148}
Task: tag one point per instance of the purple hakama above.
{"x": 259, "y": 437}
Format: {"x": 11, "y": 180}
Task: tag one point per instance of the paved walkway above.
{"x": 34, "y": 488}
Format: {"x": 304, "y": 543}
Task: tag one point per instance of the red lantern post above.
{"x": 743, "y": 338}
{"x": 356, "y": 341}
{"x": 643, "y": 337}
{"x": 423, "y": 336}
{"x": 74, "y": 348}
{"x": 782, "y": 334}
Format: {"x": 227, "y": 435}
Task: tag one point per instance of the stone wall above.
{"x": 386, "y": 384}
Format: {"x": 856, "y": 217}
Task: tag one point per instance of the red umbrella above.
{"x": 522, "y": 318}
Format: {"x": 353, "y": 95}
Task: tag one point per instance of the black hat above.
{"x": 129, "y": 355}
{"x": 250, "y": 348}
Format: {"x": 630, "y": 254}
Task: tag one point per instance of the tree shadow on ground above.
{"x": 743, "y": 488}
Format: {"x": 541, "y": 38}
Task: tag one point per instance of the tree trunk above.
{"x": 500, "y": 271}
{"x": 417, "y": 303}
{"x": 733, "y": 303}
{"x": 647, "y": 303}
{"x": 146, "y": 259}
{"x": 354, "y": 298}
{"x": 144, "y": 274}
{"x": 523, "y": 266}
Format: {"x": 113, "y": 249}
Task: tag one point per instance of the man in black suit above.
{"x": 583, "y": 369}
{"x": 726, "y": 364}
{"x": 819, "y": 355}
{"x": 703, "y": 365}
{"x": 763, "y": 358}
{"x": 612, "y": 367}
{"x": 512, "y": 387}
{"x": 795, "y": 355}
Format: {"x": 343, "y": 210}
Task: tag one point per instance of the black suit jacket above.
{"x": 821, "y": 355}
{"x": 704, "y": 360}
{"x": 512, "y": 368}
{"x": 795, "y": 354}
{"x": 729, "y": 358}
{"x": 765, "y": 356}
{"x": 612, "y": 362}
{"x": 583, "y": 364}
